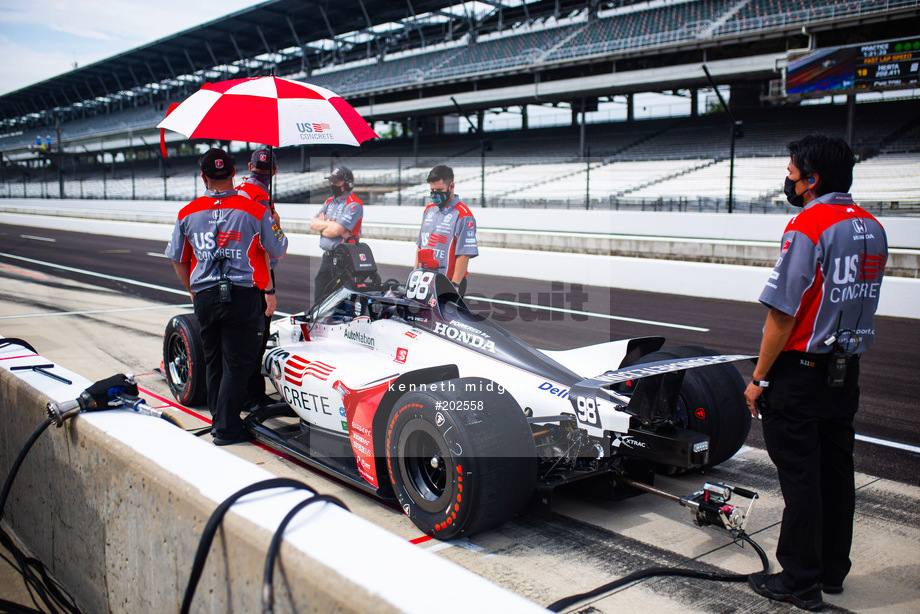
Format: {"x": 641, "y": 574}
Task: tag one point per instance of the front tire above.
{"x": 183, "y": 360}
{"x": 711, "y": 402}
{"x": 461, "y": 460}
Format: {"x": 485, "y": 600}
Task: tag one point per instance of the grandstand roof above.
{"x": 264, "y": 29}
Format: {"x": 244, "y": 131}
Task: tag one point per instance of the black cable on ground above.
{"x": 210, "y": 530}
{"x": 41, "y": 587}
{"x": 566, "y": 602}
{"x": 268, "y": 577}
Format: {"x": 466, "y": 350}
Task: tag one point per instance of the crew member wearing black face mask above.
{"x": 448, "y": 228}
{"x": 338, "y": 221}
{"x": 822, "y": 296}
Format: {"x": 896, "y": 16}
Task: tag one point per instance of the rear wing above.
{"x": 656, "y": 388}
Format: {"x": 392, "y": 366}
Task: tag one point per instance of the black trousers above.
{"x": 231, "y": 334}
{"x": 808, "y": 431}
{"x": 255, "y": 388}
{"x": 323, "y": 277}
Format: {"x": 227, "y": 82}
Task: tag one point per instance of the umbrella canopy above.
{"x": 269, "y": 110}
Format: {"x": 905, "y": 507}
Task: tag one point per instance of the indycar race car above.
{"x": 405, "y": 392}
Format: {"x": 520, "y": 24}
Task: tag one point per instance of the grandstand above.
{"x": 404, "y": 66}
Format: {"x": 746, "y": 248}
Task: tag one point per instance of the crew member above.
{"x": 338, "y": 221}
{"x": 262, "y": 166}
{"x": 822, "y": 296}
{"x": 448, "y": 228}
{"x": 220, "y": 248}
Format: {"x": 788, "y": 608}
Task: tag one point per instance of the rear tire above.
{"x": 711, "y": 402}
{"x": 460, "y": 462}
{"x": 183, "y": 360}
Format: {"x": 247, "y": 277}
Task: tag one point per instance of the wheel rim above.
{"x": 425, "y": 466}
{"x": 177, "y": 362}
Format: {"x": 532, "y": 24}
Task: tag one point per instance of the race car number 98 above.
{"x": 419, "y": 285}
{"x": 586, "y": 411}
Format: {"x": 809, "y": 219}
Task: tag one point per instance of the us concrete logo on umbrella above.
{"x": 269, "y": 110}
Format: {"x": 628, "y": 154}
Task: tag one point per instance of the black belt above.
{"x": 216, "y": 289}
{"x": 808, "y": 360}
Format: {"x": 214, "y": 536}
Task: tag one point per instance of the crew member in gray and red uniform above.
{"x": 822, "y": 296}
{"x": 338, "y": 221}
{"x": 448, "y": 228}
{"x": 220, "y": 249}
{"x": 262, "y": 166}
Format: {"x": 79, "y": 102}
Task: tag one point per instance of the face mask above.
{"x": 796, "y": 200}
{"x": 337, "y": 190}
{"x": 440, "y": 199}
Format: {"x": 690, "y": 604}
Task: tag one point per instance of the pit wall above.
{"x": 114, "y": 504}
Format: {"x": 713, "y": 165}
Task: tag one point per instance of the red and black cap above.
{"x": 262, "y": 159}
{"x": 341, "y": 173}
{"x": 216, "y": 164}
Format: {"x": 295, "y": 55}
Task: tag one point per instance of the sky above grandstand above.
{"x": 40, "y": 39}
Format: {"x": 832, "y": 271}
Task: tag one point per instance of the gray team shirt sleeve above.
{"x": 350, "y": 214}
{"x": 793, "y": 273}
{"x": 178, "y": 249}
{"x": 465, "y": 231}
{"x": 273, "y": 239}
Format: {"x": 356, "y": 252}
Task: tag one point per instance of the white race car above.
{"x": 406, "y": 393}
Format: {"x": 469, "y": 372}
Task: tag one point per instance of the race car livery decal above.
{"x": 361, "y": 338}
{"x": 463, "y": 336}
{"x": 296, "y": 368}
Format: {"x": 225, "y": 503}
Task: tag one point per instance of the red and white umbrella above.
{"x": 268, "y": 110}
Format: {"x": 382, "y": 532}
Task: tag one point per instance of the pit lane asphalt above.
{"x": 589, "y": 540}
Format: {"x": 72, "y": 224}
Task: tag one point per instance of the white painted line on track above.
{"x": 34, "y": 238}
{"x": 281, "y": 314}
{"x": 94, "y": 274}
{"x": 156, "y": 255}
{"x": 90, "y": 311}
{"x": 888, "y": 444}
{"x": 591, "y": 314}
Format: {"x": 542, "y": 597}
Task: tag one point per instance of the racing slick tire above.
{"x": 712, "y": 402}
{"x": 461, "y": 460}
{"x": 183, "y": 360}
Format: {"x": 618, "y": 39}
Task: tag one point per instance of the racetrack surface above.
{"x": 589, "y": 540}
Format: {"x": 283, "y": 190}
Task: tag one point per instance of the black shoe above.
{"x": 229, "y": 441}
{"x": 771, "y": 587}
{"x": 252, "y": 405}
{"x": 833, "y": 588}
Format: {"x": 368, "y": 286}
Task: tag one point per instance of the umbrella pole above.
{"x": 271, "y": 178}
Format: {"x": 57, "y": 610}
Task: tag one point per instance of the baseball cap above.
{"x": 341, "y": 173}
{"x": 216, "y": 164}
{"x": 262, "y": 159}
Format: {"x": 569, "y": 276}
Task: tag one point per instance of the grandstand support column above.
{"x": 630, "y": 107}
{"x": 59, "y": 156}
{"x": 851, "y": 119}
{"x": 694, "y": 102}
{"x": 524, "y": 117}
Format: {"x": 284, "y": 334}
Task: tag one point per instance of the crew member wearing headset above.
{"x": 448, "y": 228}
{"x": 262, "y": 166}
{"x": 822, "y": 296}
{"x": 220, "y": 248}
{"x": 338, "y": 221}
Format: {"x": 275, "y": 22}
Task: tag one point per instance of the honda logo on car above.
{"x": 463, "y": 336}
{"x": 562, "y": 393}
